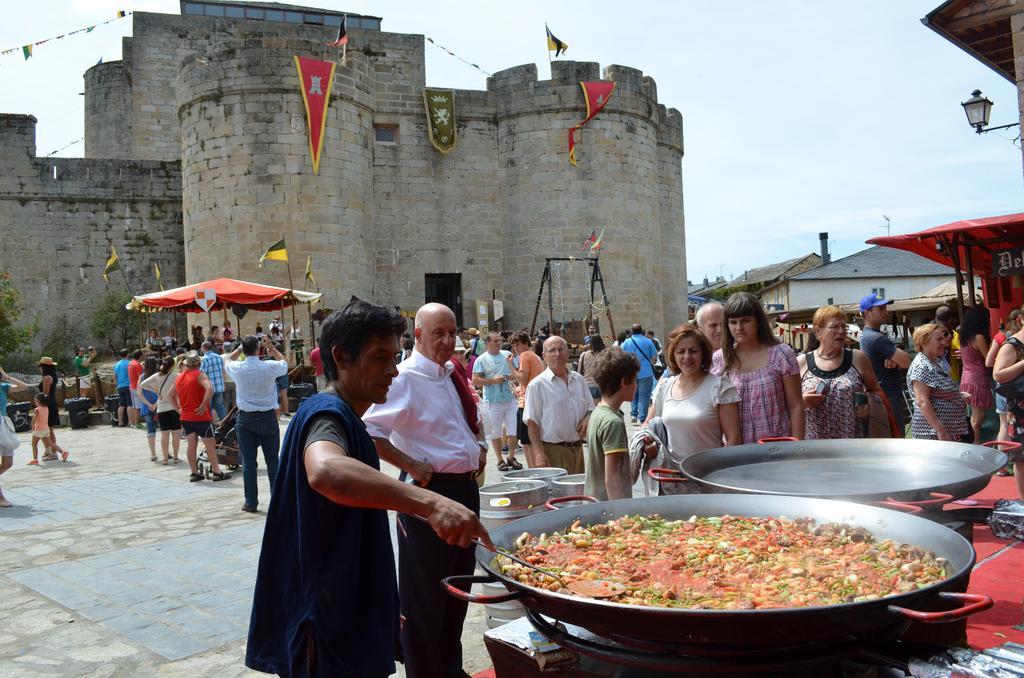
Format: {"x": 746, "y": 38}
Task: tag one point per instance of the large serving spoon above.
{"x": 596, "y": 588}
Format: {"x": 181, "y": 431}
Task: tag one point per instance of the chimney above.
{"x": 826, "y": 258}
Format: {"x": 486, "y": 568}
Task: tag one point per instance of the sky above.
{"x": 798, "y": 117}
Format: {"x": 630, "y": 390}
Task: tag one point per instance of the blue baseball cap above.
{"x": 873, "y": 300}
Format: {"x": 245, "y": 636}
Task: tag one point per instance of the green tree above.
{"x": 114, "y": 324}
{"x": 14, "y": 338}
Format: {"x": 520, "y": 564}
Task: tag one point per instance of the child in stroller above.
{"x": 227, "y": 446}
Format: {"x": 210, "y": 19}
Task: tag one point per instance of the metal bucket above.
{"x": 501, "y": 503}
{"x": 545, "y": 473}
{"x": 568, "y": 486}
{"x": 511, "y": 500}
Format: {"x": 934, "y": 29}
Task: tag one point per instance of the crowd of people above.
{"x": 436, "y": 405}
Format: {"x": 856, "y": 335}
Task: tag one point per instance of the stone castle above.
{"x": 197, "y": 158}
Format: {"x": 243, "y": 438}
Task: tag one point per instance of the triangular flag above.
{"x": 554, "y": 44}
{"x": 113, "y": 264}
{"x": 596, "y": 95}
{"x": 586, "y": 244}
{"x": 27, "y": 52}
{"x": 276, "y": 252}
{"x": 599, "y": 243}
{"x": 156, "y": 270}
{"x": 309, "y": 270}
{"x": 120, "y": 14}
{"x": 315, "y": 79}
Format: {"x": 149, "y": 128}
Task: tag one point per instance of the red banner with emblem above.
{"x": 315, "y": 79}
{"x": 597, "y": 95}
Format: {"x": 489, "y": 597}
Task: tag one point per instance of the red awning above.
{"x": 981, "y": 236}
{"x": 229, "y": 291}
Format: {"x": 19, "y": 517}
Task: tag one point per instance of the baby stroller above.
{"x": 228, "y": 453}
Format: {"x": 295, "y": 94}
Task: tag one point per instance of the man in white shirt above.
{"x": 557, "y": 409}
{"x": 256, "y": 399}
{"x": 423, "y": 429}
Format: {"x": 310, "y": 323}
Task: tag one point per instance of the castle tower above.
{"x": 247, "y": 172}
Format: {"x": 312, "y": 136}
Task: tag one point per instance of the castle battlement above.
{"x": 205, "y": 114}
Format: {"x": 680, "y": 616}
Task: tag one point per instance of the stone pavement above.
{"x": 111, "y": 565}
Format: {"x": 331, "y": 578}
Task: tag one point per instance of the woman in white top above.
{"x": 700, "y": 409}
{"x": 162, "y": 383}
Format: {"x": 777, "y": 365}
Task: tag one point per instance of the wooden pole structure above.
{"x": 545, "y": 277}
{"x": 291, "y": 288}
{"x": 970, "y": 277}
{"x": 958, "y": 275}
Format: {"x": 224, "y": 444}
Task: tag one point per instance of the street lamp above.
{"x": 978, "y": 108}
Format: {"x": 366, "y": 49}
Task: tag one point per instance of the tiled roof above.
{"x": 876, "y": 262}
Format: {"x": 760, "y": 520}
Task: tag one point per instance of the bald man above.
{"x": 711, "y": 322}
{"x": 424, "y": 429}
{"x": 557, "y": 409}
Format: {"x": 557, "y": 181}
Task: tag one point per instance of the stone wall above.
{"x": 59, "y": 217}
{"x": 108, "y": 106}
{"x": 222, "y": 96}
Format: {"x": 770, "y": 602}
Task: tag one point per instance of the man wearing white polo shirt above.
{"x": 558, "y": 407}
{"x": 429, "y": 428}
{"x": 256, "y": 398}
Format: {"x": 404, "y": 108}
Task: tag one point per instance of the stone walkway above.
{"x": 111, "y": 565}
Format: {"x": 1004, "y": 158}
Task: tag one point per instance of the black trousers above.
{"x": 432, "y": 632}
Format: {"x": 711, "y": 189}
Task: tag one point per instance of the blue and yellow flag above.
{"x": 554, "y": 44}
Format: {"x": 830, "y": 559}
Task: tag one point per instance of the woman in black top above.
{"x": 48, "y": 387}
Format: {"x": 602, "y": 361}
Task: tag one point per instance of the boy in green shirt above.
{"x": 608, "y": 473}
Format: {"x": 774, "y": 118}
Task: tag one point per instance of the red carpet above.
{"x": 996, "y": 574}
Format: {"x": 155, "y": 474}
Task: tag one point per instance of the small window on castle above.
{"x": 829, "y": 302}
{"x": 385, "y": 134}
{"x": 317, "y": 19}
{"x": 193, "y": 8}
{"x": 275, "y": 15}
{"x": 214, "y": 10}
{"x": 254, "y": 14}
{"x": 235, "y": 12}
{"x": 293, "y": 17}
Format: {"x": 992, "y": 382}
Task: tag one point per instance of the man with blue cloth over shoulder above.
{"x": 326, "y": 602}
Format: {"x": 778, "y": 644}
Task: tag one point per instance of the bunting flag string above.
{"x": 76, "y": 141}
{"x": 26, "y": 50}
{"x": 451, "y": 53}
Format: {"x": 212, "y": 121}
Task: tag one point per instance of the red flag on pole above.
{"x": 315, "y": 79}
{"x": 596, "y": 95}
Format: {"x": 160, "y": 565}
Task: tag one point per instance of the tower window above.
{"x": 385, "y": 134}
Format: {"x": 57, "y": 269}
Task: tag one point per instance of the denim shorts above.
{"x": 282, "y": 382}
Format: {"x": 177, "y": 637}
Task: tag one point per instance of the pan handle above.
{"x": 938, "y": 500}
{"x": 779, "y": 439}
{"x": 551, "y": 504}
{"x": 668, "y": 475}
{"x": 1009, "y": 445}
{"x": 904, "y": 506}
{"x": 449, "y": 584}
{"x": 973, "y": 602}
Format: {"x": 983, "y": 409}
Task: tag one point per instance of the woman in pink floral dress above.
{"x": 763, "y": 370}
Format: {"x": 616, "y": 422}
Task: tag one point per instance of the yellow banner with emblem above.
{"x": 440, "y": 104}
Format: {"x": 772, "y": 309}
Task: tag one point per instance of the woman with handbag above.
{"x": 1008, "y": 367}
{"x": 161, "y": 384}
{"x": 835, "y": 380}
{"x": 8, "y": 439}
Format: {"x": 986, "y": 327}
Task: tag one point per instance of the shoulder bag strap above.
{"x": 641, "y": 352}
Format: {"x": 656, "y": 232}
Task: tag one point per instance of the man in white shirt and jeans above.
{"x": 557, "y": 410}
{"x": 423, "y": 429}
{"x": 256, "y": 399}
